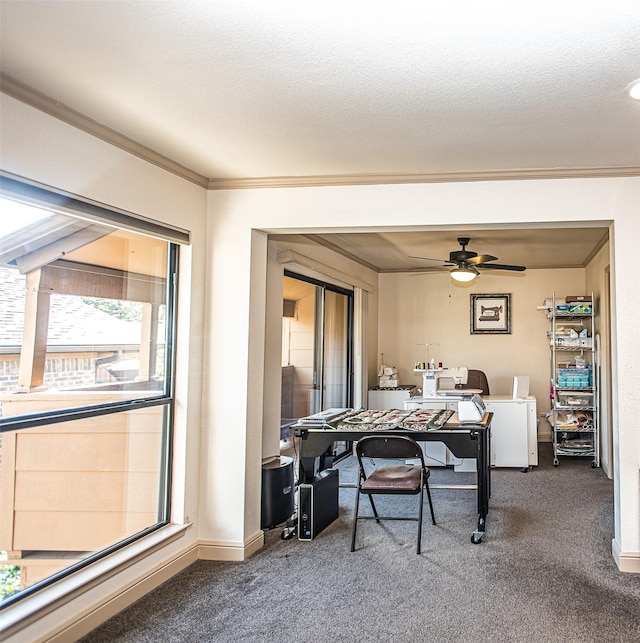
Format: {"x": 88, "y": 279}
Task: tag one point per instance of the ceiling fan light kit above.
{"x": 633, "y": 90}
{"x": 464, "y": 275}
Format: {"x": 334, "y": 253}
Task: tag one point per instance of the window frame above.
{"x": 38, "y": 195}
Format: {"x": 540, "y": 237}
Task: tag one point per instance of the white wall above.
{"x": 625, "y": 355}
{"x": 597, "y": 278}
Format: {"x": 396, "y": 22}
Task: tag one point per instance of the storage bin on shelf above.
{"x": 574, "y": 308}
{"x": 575, "y": 447}
{"x": 575, "y": 399}
{"x": 574, "y": 378}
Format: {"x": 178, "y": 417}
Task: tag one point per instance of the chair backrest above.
{"x": 477, "y": 379}
{"x": 388, "y": 446}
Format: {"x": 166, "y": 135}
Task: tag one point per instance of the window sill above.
{"x": 32, "y": 608}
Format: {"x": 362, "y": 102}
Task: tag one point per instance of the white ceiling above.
{"x": 246, "y": 89}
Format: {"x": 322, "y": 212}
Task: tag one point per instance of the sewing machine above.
{"x": 443, "y": 381}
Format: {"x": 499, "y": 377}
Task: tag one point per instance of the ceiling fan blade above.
{"x": 501, "y": 266}
{"x": 482, "y": 258}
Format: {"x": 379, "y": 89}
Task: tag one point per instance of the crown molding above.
{"x": 56, "y": 109}
{"x": 46, "y": 104}
{"x": 442, "y": 177}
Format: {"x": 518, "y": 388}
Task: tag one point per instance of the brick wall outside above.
{"x": 61, "y": 371}
{"x": 8, "y": 373}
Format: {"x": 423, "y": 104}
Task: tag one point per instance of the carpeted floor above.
{"x": 544, "y": 572}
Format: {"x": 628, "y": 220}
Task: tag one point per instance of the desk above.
{"x": 465, "y": 440}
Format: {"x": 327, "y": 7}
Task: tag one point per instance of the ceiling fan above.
{"x": 467, "y": 262}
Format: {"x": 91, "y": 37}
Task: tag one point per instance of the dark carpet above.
{"x": 544, "y": 572}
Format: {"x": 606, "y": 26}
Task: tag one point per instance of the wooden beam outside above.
{"x": 148, "y": 344}
{"x": 71, "y": 278}
{"x": 34, "y": 339}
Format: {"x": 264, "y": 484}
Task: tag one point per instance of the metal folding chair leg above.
{"x": 420, "y": 519}
{"x": 355, "y": 519}
{"x": 433, "y": 518}
{"x": 373, "y": 506}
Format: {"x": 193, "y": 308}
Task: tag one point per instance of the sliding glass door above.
{"x": 317, "y": 347}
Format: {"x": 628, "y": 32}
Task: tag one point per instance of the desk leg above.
{"x": 309, "y": 465}
{"x": 306, "y": 469}
{"x": 483, "y": 469}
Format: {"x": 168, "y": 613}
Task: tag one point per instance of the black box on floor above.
{"x": 317, "y": 504}
{"x": 277, "y": 492}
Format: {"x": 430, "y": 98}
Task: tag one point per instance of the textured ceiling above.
{"x": 249, "y": 90}
{"x": 244, "y": 89}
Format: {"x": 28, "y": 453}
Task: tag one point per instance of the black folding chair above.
{"x": 396, "y": 478}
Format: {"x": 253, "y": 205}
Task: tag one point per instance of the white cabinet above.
{"x": 389, "y": 398}
{"x": 532, "y": 431}
{"x": 513, "y": 431}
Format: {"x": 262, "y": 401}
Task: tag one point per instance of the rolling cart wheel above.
{"x": 476, "y": 538}
{"x": 555, "y": 463}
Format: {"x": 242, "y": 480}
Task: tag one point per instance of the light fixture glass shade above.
{"x": 463, "y": 274}
{"x": 633, "y": 89}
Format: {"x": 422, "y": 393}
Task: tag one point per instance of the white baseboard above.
{"x": 125, "y": 598}
{"x": 229, "y": 551}
{"x": 626, "y": 561}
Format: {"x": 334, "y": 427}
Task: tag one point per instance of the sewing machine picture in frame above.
{"x": 490, "y": 314}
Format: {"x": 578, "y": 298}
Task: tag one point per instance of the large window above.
{"x": 87, "y": 330}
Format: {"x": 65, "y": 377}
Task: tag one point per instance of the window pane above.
{"x": 84, "y": 309}
{"x": 302, "y": 388}
{"x": 71, "y": 489}
{"x": 336, "y": 351}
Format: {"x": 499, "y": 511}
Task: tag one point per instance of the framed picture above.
{"x": 490, "y": 314}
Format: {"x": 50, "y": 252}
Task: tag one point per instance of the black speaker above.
{"x": 317, "y": 504}
{"x": 277, "y": 492}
